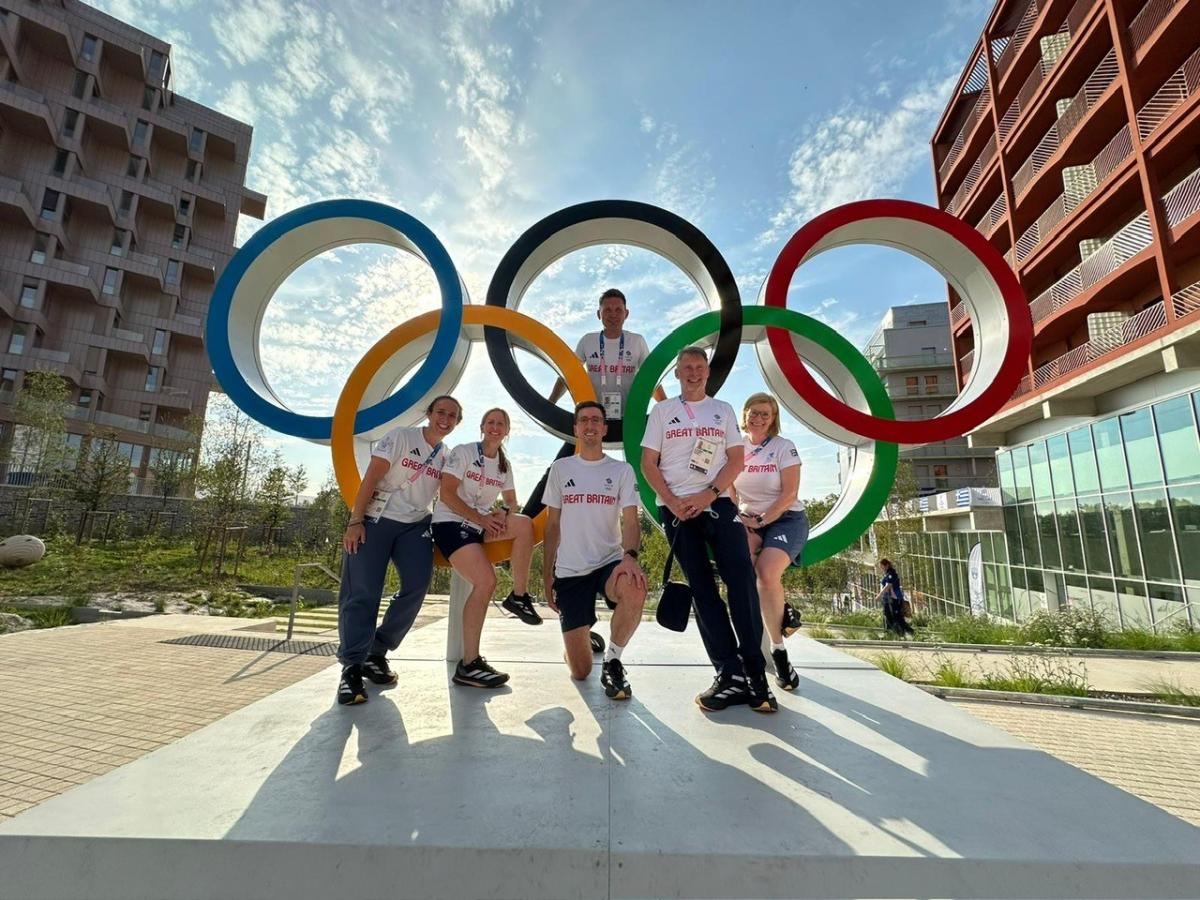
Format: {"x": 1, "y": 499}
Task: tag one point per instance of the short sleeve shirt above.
{"x": 480, "y": 481}
{"x": 590, "y": 495}
{"x": 674, "y": 427}
{"x": 891, "y": 580}
{"x": 760, "y": 482}
{"x": 611, "y": 366}
{"x": 415, "y": 474}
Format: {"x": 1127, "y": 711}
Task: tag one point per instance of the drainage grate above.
{"x": 259, "y": 644}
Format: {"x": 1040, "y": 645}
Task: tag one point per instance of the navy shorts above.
{"x": 576, "y": 596}
{"x": 788, "y": 533}
{"x": 449, "y": 537}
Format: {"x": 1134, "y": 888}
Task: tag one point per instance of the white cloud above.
{"x": 683, "y": 181}
{"x": 247, "y": 29}
{"x": 238, "y": 101}
{"x": 858, "y": 153}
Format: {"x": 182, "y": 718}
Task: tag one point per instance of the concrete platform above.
{"x": 861, "y": 786}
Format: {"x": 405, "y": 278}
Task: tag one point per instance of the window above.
{"x": 1154, "y": 529}
{"x": 185, "y": 205}
{"x": 1177, "y": 437}
{"x": 1122, "y": 535}
{"x": 41, "y": 244}
{"x": 196, "y": 140}
{"x": 1185, "y": 507}
{"x": 8, "y": 379}
{"x": 70, "y": 121}
{"x": 79, "y": 85}
{"x": 61, "y": 158}
{"x": 91, "y": 365}
{"x": 158, "y": 66}
{"x": 140, "y": 130}
{"x": 1083, "y": 460}
{"x": 931, "y": 384}
{"x": 160, "y": 342}
{"x": 152, "y": 378}
{"x": 16, "y": 341}
{"x": 126, "y": 202}
{"x": 929, "y": 351}
{"x": 88, "y": 50}
{"x": 1060, "y": 466}
{"x": 1095, "y": 543}
{"x": 193, "y": 170}
{"x": 145, "y": 411}
{"x": 1048, "y": 529}
{"x": 916, "y": 323}
{"x": 110, "y": 281}
{"x": 49, "y": 204}
{"x": 1141, "y": 449}
{"x": 172, "y": 271}
{"x": 179, "y": 239}
{"x": 1039, "y": 468}
{"x": 133, "y": 168}
{"x": 118, "y": 243}
{"x": 149, "y": 95}
{"x": 911, "y": 385}
{"x": 1069, "y": 536}
{"x": 1020, "y": 457}
{"x": 940, "y": 476}
{"x": 29, "y": 296}
{"x": 85, "y": 398}
{"x": 1110, "y": 455}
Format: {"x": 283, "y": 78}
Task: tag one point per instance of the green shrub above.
{"x": 950, "y": 672}
{"x": 895, "y": 664}
{"x": 1038, "y": 675}
{"x": 973, "y": 630}
{"x": 1069, "y": 626}
{"x": 819, "y": 633}
{"x": 1169, "y": 690}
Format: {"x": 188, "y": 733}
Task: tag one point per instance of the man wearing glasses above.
{"x": 590, "y": 549}
{"x": 691, "y": 453}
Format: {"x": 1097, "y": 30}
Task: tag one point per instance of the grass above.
{"x": 951, "y": 673}
{"x": 46, "y": 617}
{"x": 1169, "y": 690}
{"x": 818, "y": 633}
{"x": 896, "y": 665}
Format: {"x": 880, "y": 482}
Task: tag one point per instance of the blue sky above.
{"x": 482, "y": 116}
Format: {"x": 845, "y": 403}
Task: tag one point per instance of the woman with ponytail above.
{"x": 466, "y": 517}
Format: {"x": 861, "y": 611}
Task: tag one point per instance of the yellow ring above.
{"x": 341, "y": 441}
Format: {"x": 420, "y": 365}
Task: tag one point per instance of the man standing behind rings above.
{"x": 691, "y": 453}
{"x": 612, "y": 357}
{"x": 590, "y": 549}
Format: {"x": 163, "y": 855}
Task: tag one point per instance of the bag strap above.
{"x": 671, "y": 554}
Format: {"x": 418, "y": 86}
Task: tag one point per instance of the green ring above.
{"x": 859, "y": 517}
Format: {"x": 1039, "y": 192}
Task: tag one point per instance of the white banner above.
{"x": 975, "y": 580}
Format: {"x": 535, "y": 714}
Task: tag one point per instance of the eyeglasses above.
{"x": 757, "y": 414}
{"x": 589, "y": 420}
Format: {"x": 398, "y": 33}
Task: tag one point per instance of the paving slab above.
{"x": 861, "y": 786}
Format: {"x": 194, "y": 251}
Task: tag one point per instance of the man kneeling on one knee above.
{"x": 590, "y": 549}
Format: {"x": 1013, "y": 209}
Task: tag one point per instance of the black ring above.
{"x": 500, "y": 348}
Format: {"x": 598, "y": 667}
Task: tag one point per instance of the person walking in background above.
{"x": 476, "y": 474}
{"x": 892, "y": 597}
{"x": 775, "y": 520}
{"x": 390, "y": 521}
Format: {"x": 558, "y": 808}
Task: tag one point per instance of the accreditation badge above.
{"x": 703, "y": 455}
{"x": 612, "y": 405}
{"x": 377, "y": 503}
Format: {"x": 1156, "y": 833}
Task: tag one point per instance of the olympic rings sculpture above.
{"x": 856, "y": 413}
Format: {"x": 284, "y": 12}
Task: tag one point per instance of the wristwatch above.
{"x": 716, "y": 490}
{"x": 633, "y": 553}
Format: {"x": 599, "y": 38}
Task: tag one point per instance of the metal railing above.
{"x": 958, "y": 314}
{"x": 986, "y": 155}
{"x": 977, "y": 109}
{"x": 1183, "y": 200}
{"x": 1186, "y": 300}
{"x": 1019, "y": 36}
{"x": 296, "y": 590}
{"x": 1149, "y": 17}
{"x": 1184, "y": 82}
{"x": 1146, "y": 322}
{"x": 993, "y": 217}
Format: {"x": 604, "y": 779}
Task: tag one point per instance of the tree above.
{"x": 232, "y": 461}
{"x": 101, "y": 475}
{"x": 172, "y": 471}
{"x": 297, "y": 482}
{"x": 38, "y": 447}
{"x": 273, "y": 498}
{"x": 897, "y": 515}
{"x": 324, "y": 520}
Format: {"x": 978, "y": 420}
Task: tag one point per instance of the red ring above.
{"x": 910, "y": 431}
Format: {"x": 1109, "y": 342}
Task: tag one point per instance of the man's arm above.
{"x": 560, "y": 388}
{"x": 654, "y": 477}
{"x": 550, "y": 538}
{"x": 698, "y": 502}
{"x": 659, "y": 394}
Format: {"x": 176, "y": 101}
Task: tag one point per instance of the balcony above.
{"x": 1112, "y": 255}
{"x": 1094, "y": 87}
{"x": 993, "y": 217}
{"x": 978, "y": 108}
{"x": 121, "y": 423}
{"x": 1018, "y": 39}
{"x": 986, "y": 155}
{"x": 947, "y": 450}
{"x": 1175, "y": 90}
{"x": 965, "y": 362}
{"x": 1186, "y": 301}
{"x": 109, "y": 121}
{"x": 1119, "y": 149}
{"x": 190, "y": 326}
{"x": 15, "y": 203}
{"x": 1183, "y": 200}
{"x": 1153, "y": 14}
{"x": 1149, "y": 321}
{"x": 45, "y": 359}
{"x": 916, "y": 361}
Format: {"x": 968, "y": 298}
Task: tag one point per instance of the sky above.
{"x": 481, "y": 117}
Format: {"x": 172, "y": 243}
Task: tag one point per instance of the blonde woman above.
{"x": 464, "y": 520}
{"x": 776, "y": 523}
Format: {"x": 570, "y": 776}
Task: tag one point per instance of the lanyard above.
{"x": 759, "y": 449}
{"x": 421, "y": 471}
{"x": 688, "y": 410}
{"x": 482, "y": 460}
{"x": 604, "y": 362}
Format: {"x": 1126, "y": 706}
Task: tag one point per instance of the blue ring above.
{"x": 423, "y": 380}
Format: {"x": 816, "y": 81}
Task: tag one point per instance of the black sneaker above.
{"x": 597, "y": 642}
{"x": 761, "y": 699}
{"x": 612, "y": 676}
{"x": 791, "y": 620}
{"x": 478, "y": 673}
{"x": 377, "y": 669}
{"x": 522, "y": 608}
{"x": 785, "y": 675}
{"x": 726, "y": 691}
{"x": 350, "y": 688}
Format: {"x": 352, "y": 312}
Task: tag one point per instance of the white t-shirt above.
{"x": 614, "y": 368}
{"x": 673, "y": 428}
{"x": 480, "y": 481}
{"x": 415, "y": 475}
{"x": 759, "y": 484}
{"x": 591, "y": 495}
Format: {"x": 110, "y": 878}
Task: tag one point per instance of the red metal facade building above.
{"x": 1072, "y": 141}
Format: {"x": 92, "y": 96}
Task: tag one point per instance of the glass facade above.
{"x": 1105, "y": 515}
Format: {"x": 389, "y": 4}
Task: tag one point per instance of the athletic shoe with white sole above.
{"x": 377, "y": 669}
{"x": 785, "y": 675}
{"x": 760, "y": 697}
{"x": 350, "y": 688}
{"x": 478, "y": 673}
{"x": 726, "y": 691}
{"x": 612, "y": 676}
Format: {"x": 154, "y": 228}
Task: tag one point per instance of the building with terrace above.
{"x": 1072, "y": 142}
{"x": 119, "y": 200}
